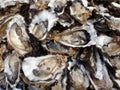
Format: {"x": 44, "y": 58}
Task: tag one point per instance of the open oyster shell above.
{"x": 17, "y": 36}
{"x": 58, "y": 5}
{"x": 41, "y": 4}
{"x": 60, "y": 44}
{"x": 45, "y": 69}
{"x": 42, "y": 24}
{"x": 6, "y": 3}
{"x": 78, "y": 76}
{"x": 12, "y": 69}
{"x": 54, "y": 47}
{"x": 79, "y": 12}
{"x": 109, "y": 45}
{"x": 78, "y": 37}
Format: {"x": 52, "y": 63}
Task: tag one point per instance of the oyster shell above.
{"x": 12, "y": 69}
{"x": 45, "y": 69}
{"x": 79, "y": 12}
{"x": 114, "y": 23}
{"x": 1, "y": 64}
{"x": 61, "y": 44}
{"x": 77, "y": 76}
{"x": 109, "y": 45}
{"x": 42, "y": 24}
{"x": 65, "y": 20}
{"x": 41, "y": 4}
{"x": 77, "y": 37}
{"x": 58, "y": 5}
{"x": 6, "y": 3}
{"x": 54, "y": 47}
{"x": 17, "y": 37}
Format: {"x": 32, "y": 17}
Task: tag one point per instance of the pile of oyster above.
{"x": 59, "y": 44}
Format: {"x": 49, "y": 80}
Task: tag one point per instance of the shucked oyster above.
{"x": 12, "y": 69}
{"x": 17, "y": 36}
{"x": 42, "y": 24}
{"x": 45, "y": 69}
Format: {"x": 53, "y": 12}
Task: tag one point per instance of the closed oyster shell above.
{"x": 17, "y": 37}
{"x": 12, "y": 69}
{"x": 44, "y": 69}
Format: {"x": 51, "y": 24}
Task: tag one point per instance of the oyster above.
{"x": 41, "y": 4}
{"x": 12, "y": 69}
{"x": 45, "y": 69}
{"x": 17, "y": 36}
{"x": 109, "y": 45}
{"x": 114, "y": 23}
{"x": 42, "y": 24}
{"x": 1, "y": 64}
{"x": 60, "y": 45}
{"x": 6, "y": 3}
{"x": 54, "y": 47}
{"x": 58, "y": 5}
{"x": 79, "y": 12}
{"x": 77, "y": 76}
{"x": 65, "y": 20}
{"x": 77, "y": 37}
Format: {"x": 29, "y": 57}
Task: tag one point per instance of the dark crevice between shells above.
{"x": 66, "y": 74}
{"x": 114, "y": 11}
{"x": 24, "y": 11}
{"x": 84, "y": 51}
{"x": 105, "y": 2}
{"x": 37, "y": 49}
{"x": 103, "y": 28}
{"x": 20, "y": 85}
{"x": 59, "y": 27}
